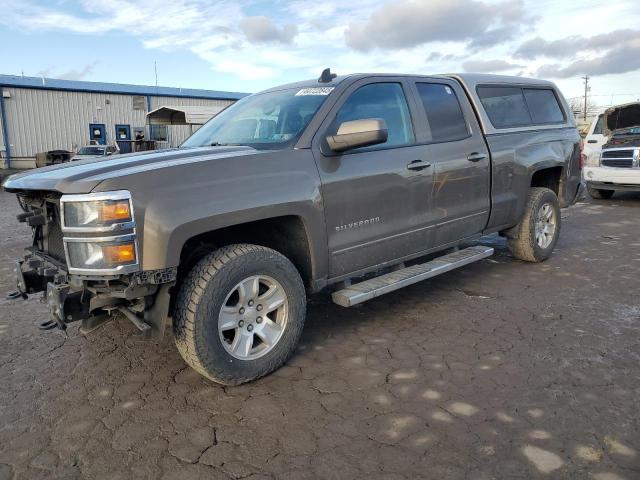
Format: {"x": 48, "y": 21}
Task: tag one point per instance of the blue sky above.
{"x": 251, "y": 45}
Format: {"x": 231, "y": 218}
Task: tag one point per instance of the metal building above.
{"x": 42, "y": 114}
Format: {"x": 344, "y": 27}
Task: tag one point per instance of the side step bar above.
{"x": 363, "y": 291}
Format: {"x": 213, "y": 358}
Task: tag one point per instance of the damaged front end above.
{"x": 622, "y": 126}
{"x": 84, "y": 258}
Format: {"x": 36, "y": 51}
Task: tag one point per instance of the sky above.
{"x": 247, "y": 46}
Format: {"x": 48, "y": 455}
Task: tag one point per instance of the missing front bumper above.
{"x": 143, "y": 299}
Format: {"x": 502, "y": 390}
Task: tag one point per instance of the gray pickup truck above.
{"x": 358, "y": 184}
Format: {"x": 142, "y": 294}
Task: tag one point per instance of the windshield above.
{"x": 91, "y": 151}
{"x": 628, "y": 131}
{"x": 264, "y": 121}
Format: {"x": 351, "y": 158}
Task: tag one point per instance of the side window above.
{"x": 543, "y": 105}
{"x": 505, "y": 106}
{"x": 597, "y": 130}
{"x": 379, "y": 100}
{"x": 443, "y": 112}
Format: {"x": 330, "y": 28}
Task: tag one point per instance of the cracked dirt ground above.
{"x": 499, "y": 370}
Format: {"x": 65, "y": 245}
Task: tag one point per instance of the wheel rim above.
{"x": 546, "y": 224}
{"x": 253, "y": 317}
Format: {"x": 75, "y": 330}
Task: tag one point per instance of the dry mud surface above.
{"x": 499, "y": 370}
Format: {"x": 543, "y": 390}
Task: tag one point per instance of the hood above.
{"x": 621, "y": 117}
{"x": 84, "y": 175}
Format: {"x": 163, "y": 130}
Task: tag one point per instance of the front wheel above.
{"x": 600, "y": 194}
{"x": 537, "y": 233}
{"x": 239, "y": 313}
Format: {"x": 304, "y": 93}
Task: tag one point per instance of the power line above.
{"x": 607, "y": 95}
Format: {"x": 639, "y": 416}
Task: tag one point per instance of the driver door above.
{"x": 376, "y": 199}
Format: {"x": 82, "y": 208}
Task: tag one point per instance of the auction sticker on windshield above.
{"x": 314, "y": 91}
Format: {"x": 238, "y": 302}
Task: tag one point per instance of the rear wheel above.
{"x": 239, "y": 313}
{"x": 600, "y": 194}
{"x": 535, "y": 237}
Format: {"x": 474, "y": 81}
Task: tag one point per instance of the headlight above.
{"x": 97, "y": 212}
{"x": 111, "y": 253}
{"x": 99, "y": 233}
{"x": 593, "y": 159}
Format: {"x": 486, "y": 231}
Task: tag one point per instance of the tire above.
{"x": 600, "y": 194}
{"x": 524, "y": 243}
{"x": 209, "y": 287}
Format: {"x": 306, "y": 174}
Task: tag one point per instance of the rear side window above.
{"x": 505, "y": 106}
{"x": 443, "y": 112}
{"x": 379, "y": 100}
{"x": 543, "y": 105}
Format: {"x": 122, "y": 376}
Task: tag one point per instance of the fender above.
{"x": 516, "y": 158}
{"x": 173, "y": 204}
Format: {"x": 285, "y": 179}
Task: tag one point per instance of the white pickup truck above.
{"x": 617, "y": 167}
{"x": 594, "y": 140}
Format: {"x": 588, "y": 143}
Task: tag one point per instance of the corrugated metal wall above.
{"x": 2, "y": 145}
{"x": 41, "y": 120}
{"x": 179, "y": 133}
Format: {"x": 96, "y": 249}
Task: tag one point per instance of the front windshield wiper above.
{"x": 218, "y": 144}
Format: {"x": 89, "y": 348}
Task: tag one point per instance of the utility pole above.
{"x": 586, "y": 91}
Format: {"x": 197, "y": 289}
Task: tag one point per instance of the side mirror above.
{"x": 358, "y": 133}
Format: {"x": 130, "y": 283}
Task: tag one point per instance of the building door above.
{"x": 97, "y": 133}
{"x": 123, "y": 138}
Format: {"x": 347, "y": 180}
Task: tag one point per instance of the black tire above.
{"x": 600, "y": 194}
{"x": 522, "y": 241}
{"x": 201, "y": 297}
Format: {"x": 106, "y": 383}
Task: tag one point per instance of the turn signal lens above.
{"x": 115, "y": 210}
{"x": 118, "y": 254}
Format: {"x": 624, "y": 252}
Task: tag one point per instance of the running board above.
{"x": 363, "y": 291}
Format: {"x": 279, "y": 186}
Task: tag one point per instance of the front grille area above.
{"x": 54, "y": 244}
{"x": 617, "y": 153}
{"x": 618, "y": 162}
{"x": 622, "y": 158}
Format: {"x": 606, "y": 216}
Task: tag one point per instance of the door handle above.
{"x": 476, "y": 156}
{"x": 418, "y": 165}
{"x": 592, "y": 141}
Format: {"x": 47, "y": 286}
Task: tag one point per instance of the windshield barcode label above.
{"x": 314, "y": 91}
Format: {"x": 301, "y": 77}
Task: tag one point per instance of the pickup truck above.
{"x": 357, "y": 184}
{"x": 594, "y": 140}
{"x": 617, "y": 165}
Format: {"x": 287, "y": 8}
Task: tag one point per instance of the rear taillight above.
{"x": 583, "y": 157}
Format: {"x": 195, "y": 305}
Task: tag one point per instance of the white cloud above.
{"x": 411, "y": 23}
{"x": 490, "y": 66}
{"x": 73, "y": 74}
{"x": 263, "y": 43}
{"x": 261, "y": 29}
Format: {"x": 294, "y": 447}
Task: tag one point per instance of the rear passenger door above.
{"x": 460, "y": 161}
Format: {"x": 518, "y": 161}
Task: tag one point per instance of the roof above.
{"x": 309, "y": 83}
{"x": 474, "y": 79}
{"x": 182, "y": 115}
{"x": 100, "y": 87}
{"x": 468, "y": 78}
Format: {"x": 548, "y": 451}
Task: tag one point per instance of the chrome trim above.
{"x": 635, "y": 158}
{"x": 376, "y": 286}
{"x": 119, "y": 270}
{"x": 96, "y": 197}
